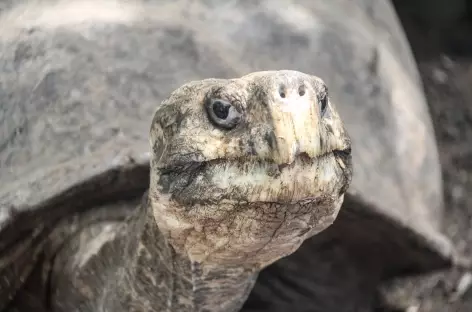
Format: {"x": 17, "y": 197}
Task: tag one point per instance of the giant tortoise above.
{"x": 243, "y": 170}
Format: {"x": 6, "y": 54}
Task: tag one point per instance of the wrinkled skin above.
{"x": 227, "y": 197}
{"x": 247, "y": 196}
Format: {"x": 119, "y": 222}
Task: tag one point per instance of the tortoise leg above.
{"x": 86, "y": 268}
{"x": 68, "y": 275}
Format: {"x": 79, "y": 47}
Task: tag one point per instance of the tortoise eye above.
{"x": 222, "y": 113}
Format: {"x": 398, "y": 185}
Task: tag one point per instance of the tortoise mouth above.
{"x": 185, "y": 166}
{"x": 301, "y": 157}
{"x": 249, "y": 179}
{"x": 344, "y": 153}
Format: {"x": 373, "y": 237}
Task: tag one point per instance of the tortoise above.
{"x": 81, "y": 87}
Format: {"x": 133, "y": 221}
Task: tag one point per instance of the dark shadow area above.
{"x": 437, "y": 26}
{"x": 340, "y": 268}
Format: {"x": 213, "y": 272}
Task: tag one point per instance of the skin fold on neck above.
{"x": 160, "y": 274}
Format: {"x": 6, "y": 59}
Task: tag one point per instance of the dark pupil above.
{"x": 221, "y": 109}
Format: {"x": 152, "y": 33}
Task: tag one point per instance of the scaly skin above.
{"x": 227, "y": 197}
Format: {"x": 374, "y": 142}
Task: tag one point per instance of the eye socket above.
{"x": 222, "y": 113}
{"x": 324, "y": 104}
{"x": 323, "y": 100}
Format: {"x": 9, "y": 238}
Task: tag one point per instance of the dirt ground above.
{"x": 444, "y": 55}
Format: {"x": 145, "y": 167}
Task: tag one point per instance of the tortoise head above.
{"x": 244, "y": 170}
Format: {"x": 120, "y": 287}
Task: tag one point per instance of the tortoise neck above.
{"x": 183, "y": 285}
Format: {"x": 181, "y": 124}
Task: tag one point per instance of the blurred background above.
{"x": 440, "y": 34}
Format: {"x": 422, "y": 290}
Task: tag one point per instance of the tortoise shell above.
{"x": 78, "y": 89}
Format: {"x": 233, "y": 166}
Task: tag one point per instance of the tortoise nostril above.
{"x": 301, "y": 90}
{"x": 282, "y": 91}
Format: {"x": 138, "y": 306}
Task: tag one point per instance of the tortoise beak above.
{"x": 296, "y": 124}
